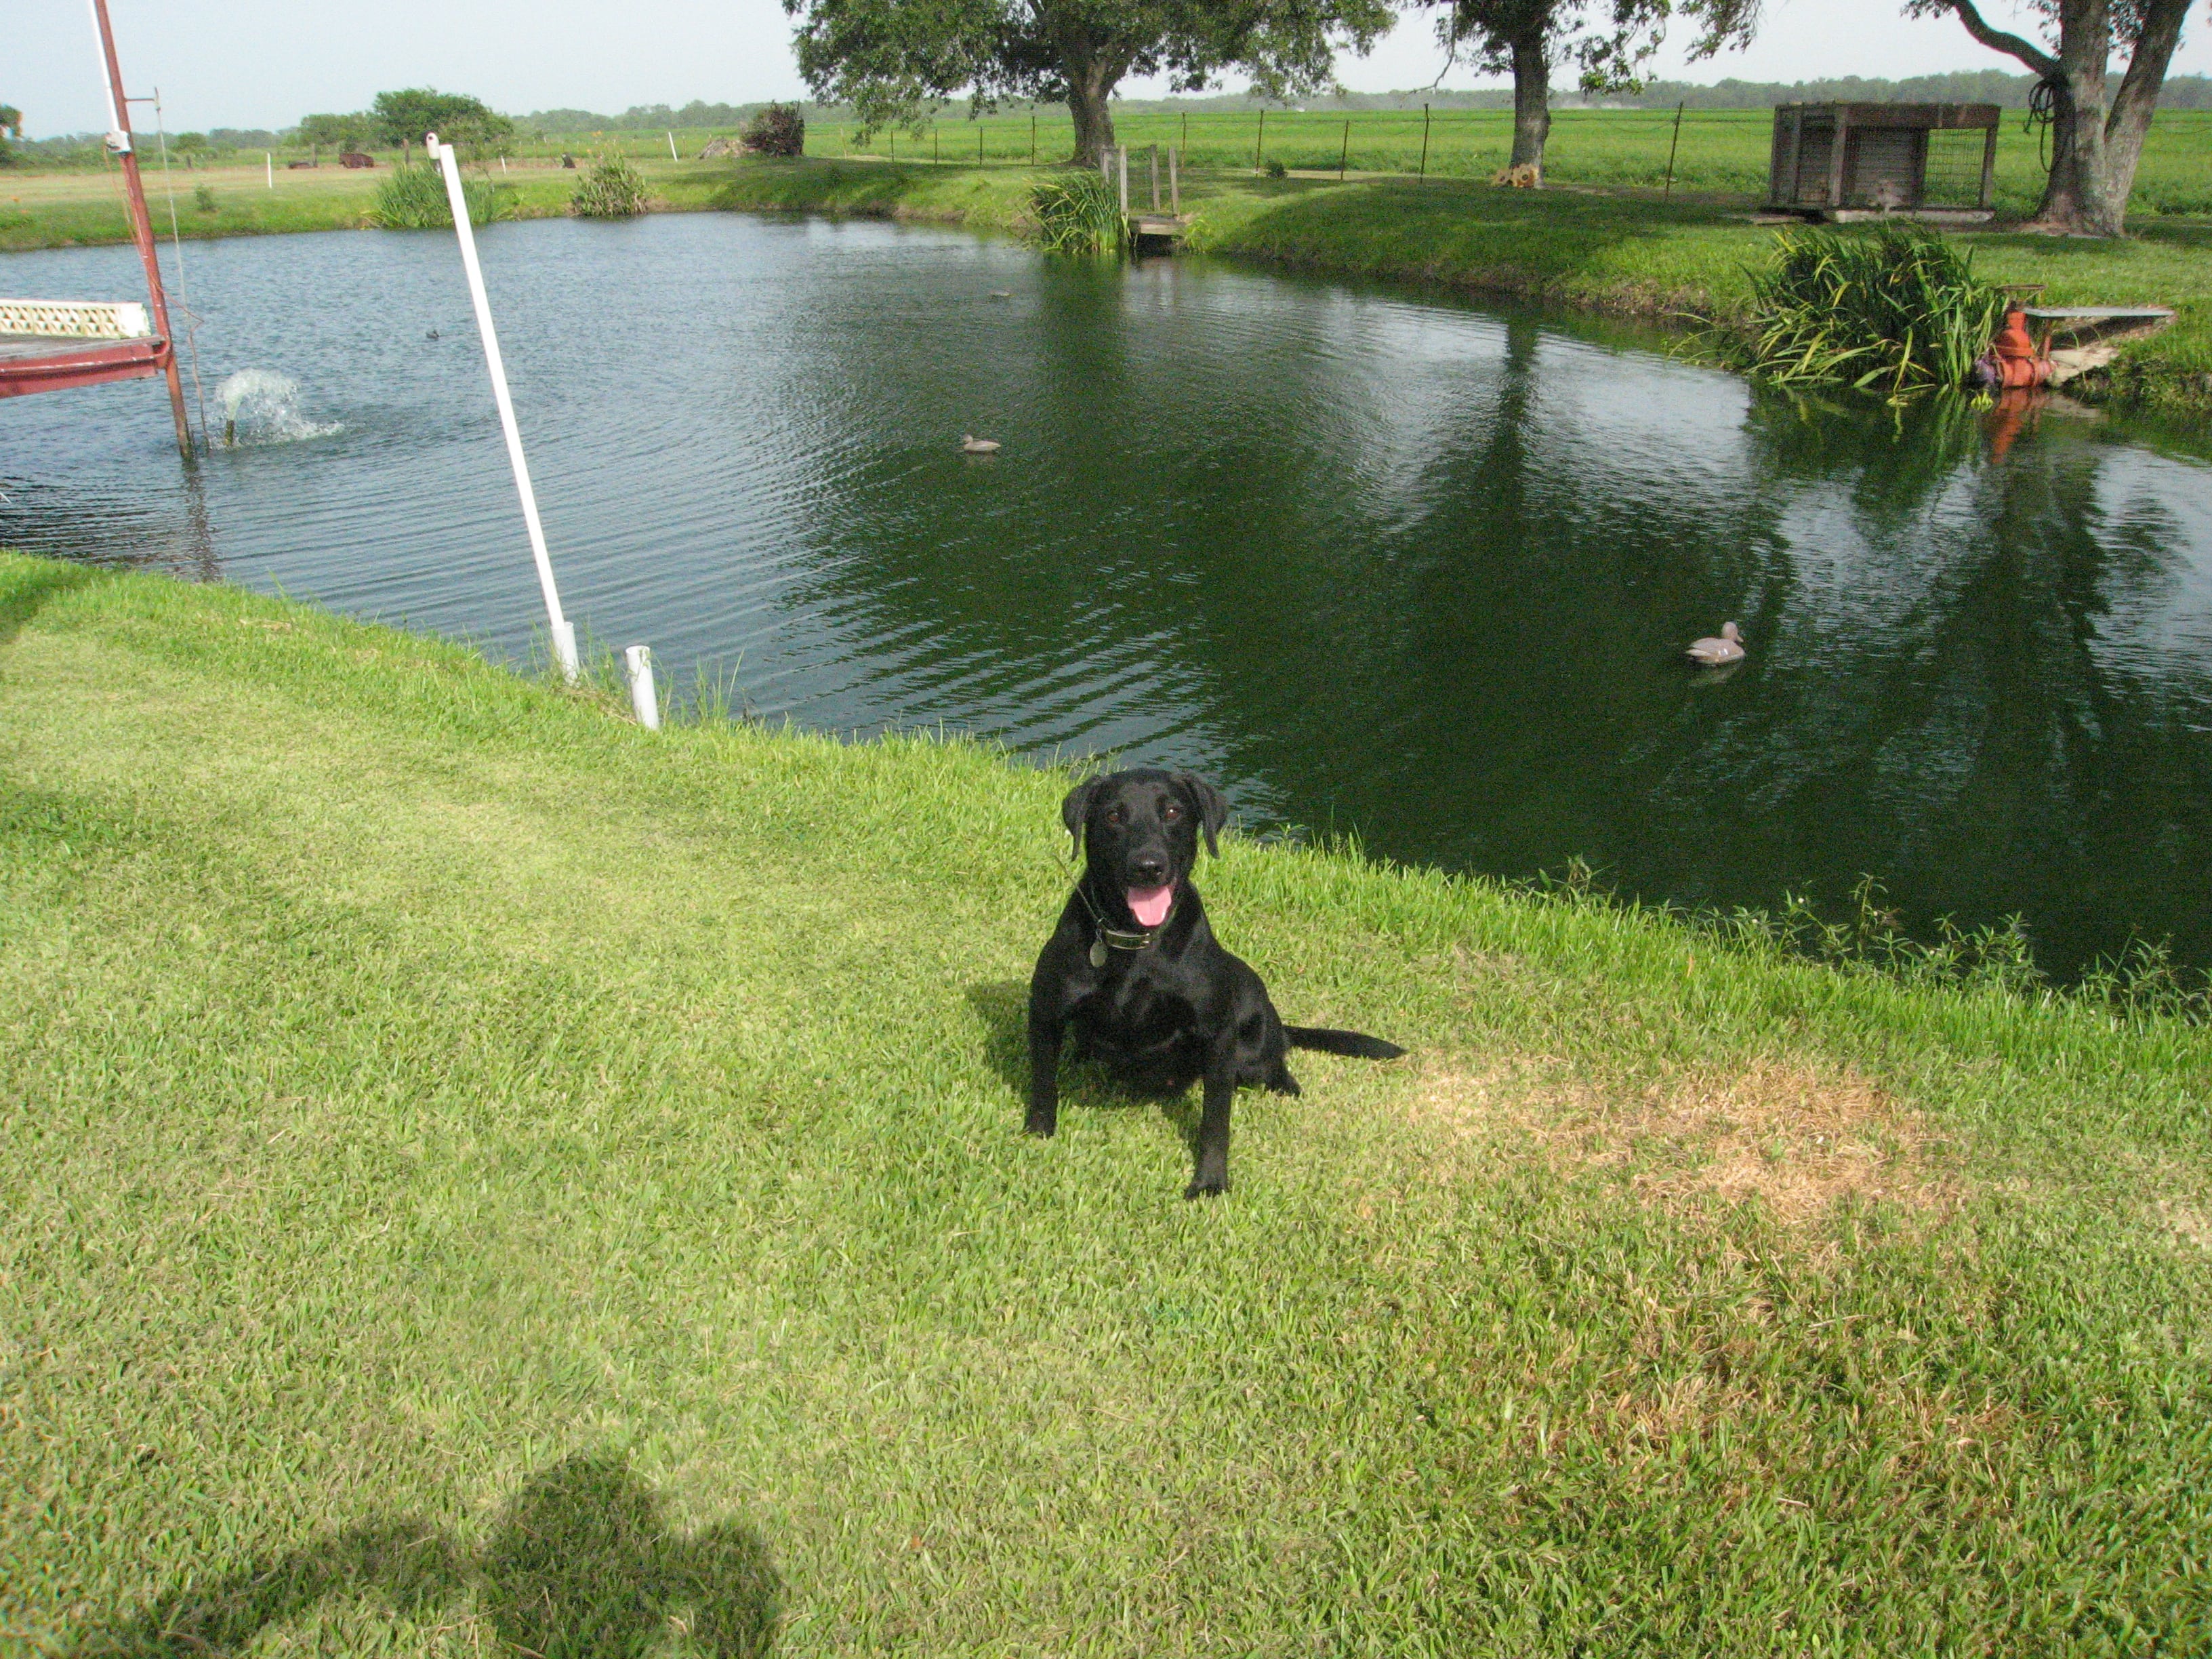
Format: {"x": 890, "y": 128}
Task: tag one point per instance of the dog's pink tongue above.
{"x": 1150, "y": 904}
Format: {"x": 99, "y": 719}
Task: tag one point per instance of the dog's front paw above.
{"x": 1042, "y": 1128}
{"x": 1206, "y": 1186}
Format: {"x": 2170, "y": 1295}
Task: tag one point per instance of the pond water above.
{"x": 1380, "y": 562}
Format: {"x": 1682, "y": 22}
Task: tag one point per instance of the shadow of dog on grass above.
{"x": 580, "y": 1564}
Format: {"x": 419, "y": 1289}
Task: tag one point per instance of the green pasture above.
{"x": 477, "y": 1177}
{"x": 1721, "y": 153}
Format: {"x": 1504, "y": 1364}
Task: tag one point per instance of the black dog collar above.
{"x": 1121, "y": 939}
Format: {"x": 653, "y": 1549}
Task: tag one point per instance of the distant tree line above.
{"x": 471, "y": 122}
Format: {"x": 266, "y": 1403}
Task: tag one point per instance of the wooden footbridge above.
{"x": 1154, "y": 231}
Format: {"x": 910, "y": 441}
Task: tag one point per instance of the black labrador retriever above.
{"x": 1135, "y": 969}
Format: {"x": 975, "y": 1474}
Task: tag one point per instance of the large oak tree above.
{"x": 1609, "y": 39}
{"x": 893, "y": 59}
{"x": 2096, "y": 131}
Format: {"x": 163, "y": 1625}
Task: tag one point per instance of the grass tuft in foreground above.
{"x": 476, "y": 1174}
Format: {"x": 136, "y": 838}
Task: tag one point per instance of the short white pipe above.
{"x": 672, "y": 156}
{"x": 271, "y": 159}
{"x": 564, "y": 637}
{"x": 638, "y": 659}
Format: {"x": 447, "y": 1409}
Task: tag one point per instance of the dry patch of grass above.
{"x": 1797, "y": 1138}
{"x": 2188, "y": 1221}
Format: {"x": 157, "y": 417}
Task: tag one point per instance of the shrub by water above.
{"x": 1078, "y": 213}
{"x": 613, "y": 189}
{"x": 1897, "y": 311}
{"x": 414, "y": 198}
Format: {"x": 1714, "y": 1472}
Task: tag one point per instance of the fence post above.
{"x": 1261, "y": 139}
{"x": 1124, "y": 180}
{"x": 1669, "y": 191}
{"x": 644, "y": 701}
{"x": 979, "y": 143}
{"x": 1424, "y": 144}
{"x": 1342, "y": 155}
{"x": 1032, "y": 135}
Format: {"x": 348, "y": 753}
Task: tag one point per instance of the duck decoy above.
{"x": 1711, "y": 652}
{"x": 432, "y": 335}
{"x": 972, "y": 445}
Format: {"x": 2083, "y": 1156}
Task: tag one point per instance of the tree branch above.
{"x": 1997, "y": 40}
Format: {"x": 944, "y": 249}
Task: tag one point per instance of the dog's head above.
{"x": 1140, "y": 831}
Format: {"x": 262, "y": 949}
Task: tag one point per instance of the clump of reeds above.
{"x": 414, "y": 198}
{"x": 1078, "y": 213}
{"x": 610, "y": 189}
{"x": 1897, "y": 310}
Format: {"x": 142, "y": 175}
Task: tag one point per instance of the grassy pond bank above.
{"x": 476, "y": 1172}
{"x": 1616, "y": 249}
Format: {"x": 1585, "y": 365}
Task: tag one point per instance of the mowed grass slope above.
{"x": 475, "y": 1173}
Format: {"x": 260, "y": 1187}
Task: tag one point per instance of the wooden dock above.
{"x": 1154, "y": 231}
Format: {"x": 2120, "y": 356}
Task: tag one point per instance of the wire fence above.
{"x": 1721, "y": 153}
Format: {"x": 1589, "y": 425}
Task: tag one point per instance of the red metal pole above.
{"x": 142, "y": 226}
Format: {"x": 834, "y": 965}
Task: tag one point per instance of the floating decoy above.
{"x": 432, "y": 335}
{"x": 1711, "y": 652}
{"x": 972, "y": 445}
{"x": 1002, "y": 294}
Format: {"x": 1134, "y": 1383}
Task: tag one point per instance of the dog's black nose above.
{"x": 1148, "y": 869}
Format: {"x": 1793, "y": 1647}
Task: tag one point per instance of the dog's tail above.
{"x": 1357, "y": 1044}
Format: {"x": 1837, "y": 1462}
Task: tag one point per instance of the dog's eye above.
{"x": 1116, "y": 816}
{"x": 1171, "y": 812}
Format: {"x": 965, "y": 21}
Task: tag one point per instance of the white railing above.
{"x": 77, "y": 319}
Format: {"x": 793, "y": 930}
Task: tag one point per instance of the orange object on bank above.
{"x": 2018, "y": 364}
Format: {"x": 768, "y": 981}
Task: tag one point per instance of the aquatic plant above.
{"x": 612, "y": 188}
{"x": 1897, "y": 311}
{"x": 414, "y": 198}
{"x": 1078, "y": 213}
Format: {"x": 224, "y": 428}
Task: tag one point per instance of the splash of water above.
{"x": 260, "y": 406}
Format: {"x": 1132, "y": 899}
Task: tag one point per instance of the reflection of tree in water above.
{"x": 1951, "y": 722}
{"x": 1445, "y": 605}
{"x": 582, "y": 1563}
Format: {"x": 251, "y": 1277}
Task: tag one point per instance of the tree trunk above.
{"x": 2093, "y": 147}
{"x": 1532, "y": 99}
{"x": 1090, "y": 82}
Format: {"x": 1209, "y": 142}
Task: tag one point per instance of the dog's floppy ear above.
{"x": 1209, "y": 803}
{"x": 1075, "y": 809}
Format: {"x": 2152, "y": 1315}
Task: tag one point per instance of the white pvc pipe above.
{"x": 270, "y": 157}
{"x": 117, "y": 140}
{"x": 564, "y": 637}
{"x": 672, "y": 156}
{"x": 643, "y": 700}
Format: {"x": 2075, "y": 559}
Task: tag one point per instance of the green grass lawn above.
{"x": 475, "y": 1176}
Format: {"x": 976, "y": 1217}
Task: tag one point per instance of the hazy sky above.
{"x": 263, "y": 64}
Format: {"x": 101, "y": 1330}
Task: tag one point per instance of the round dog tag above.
{"x": 1097, "y": 953}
